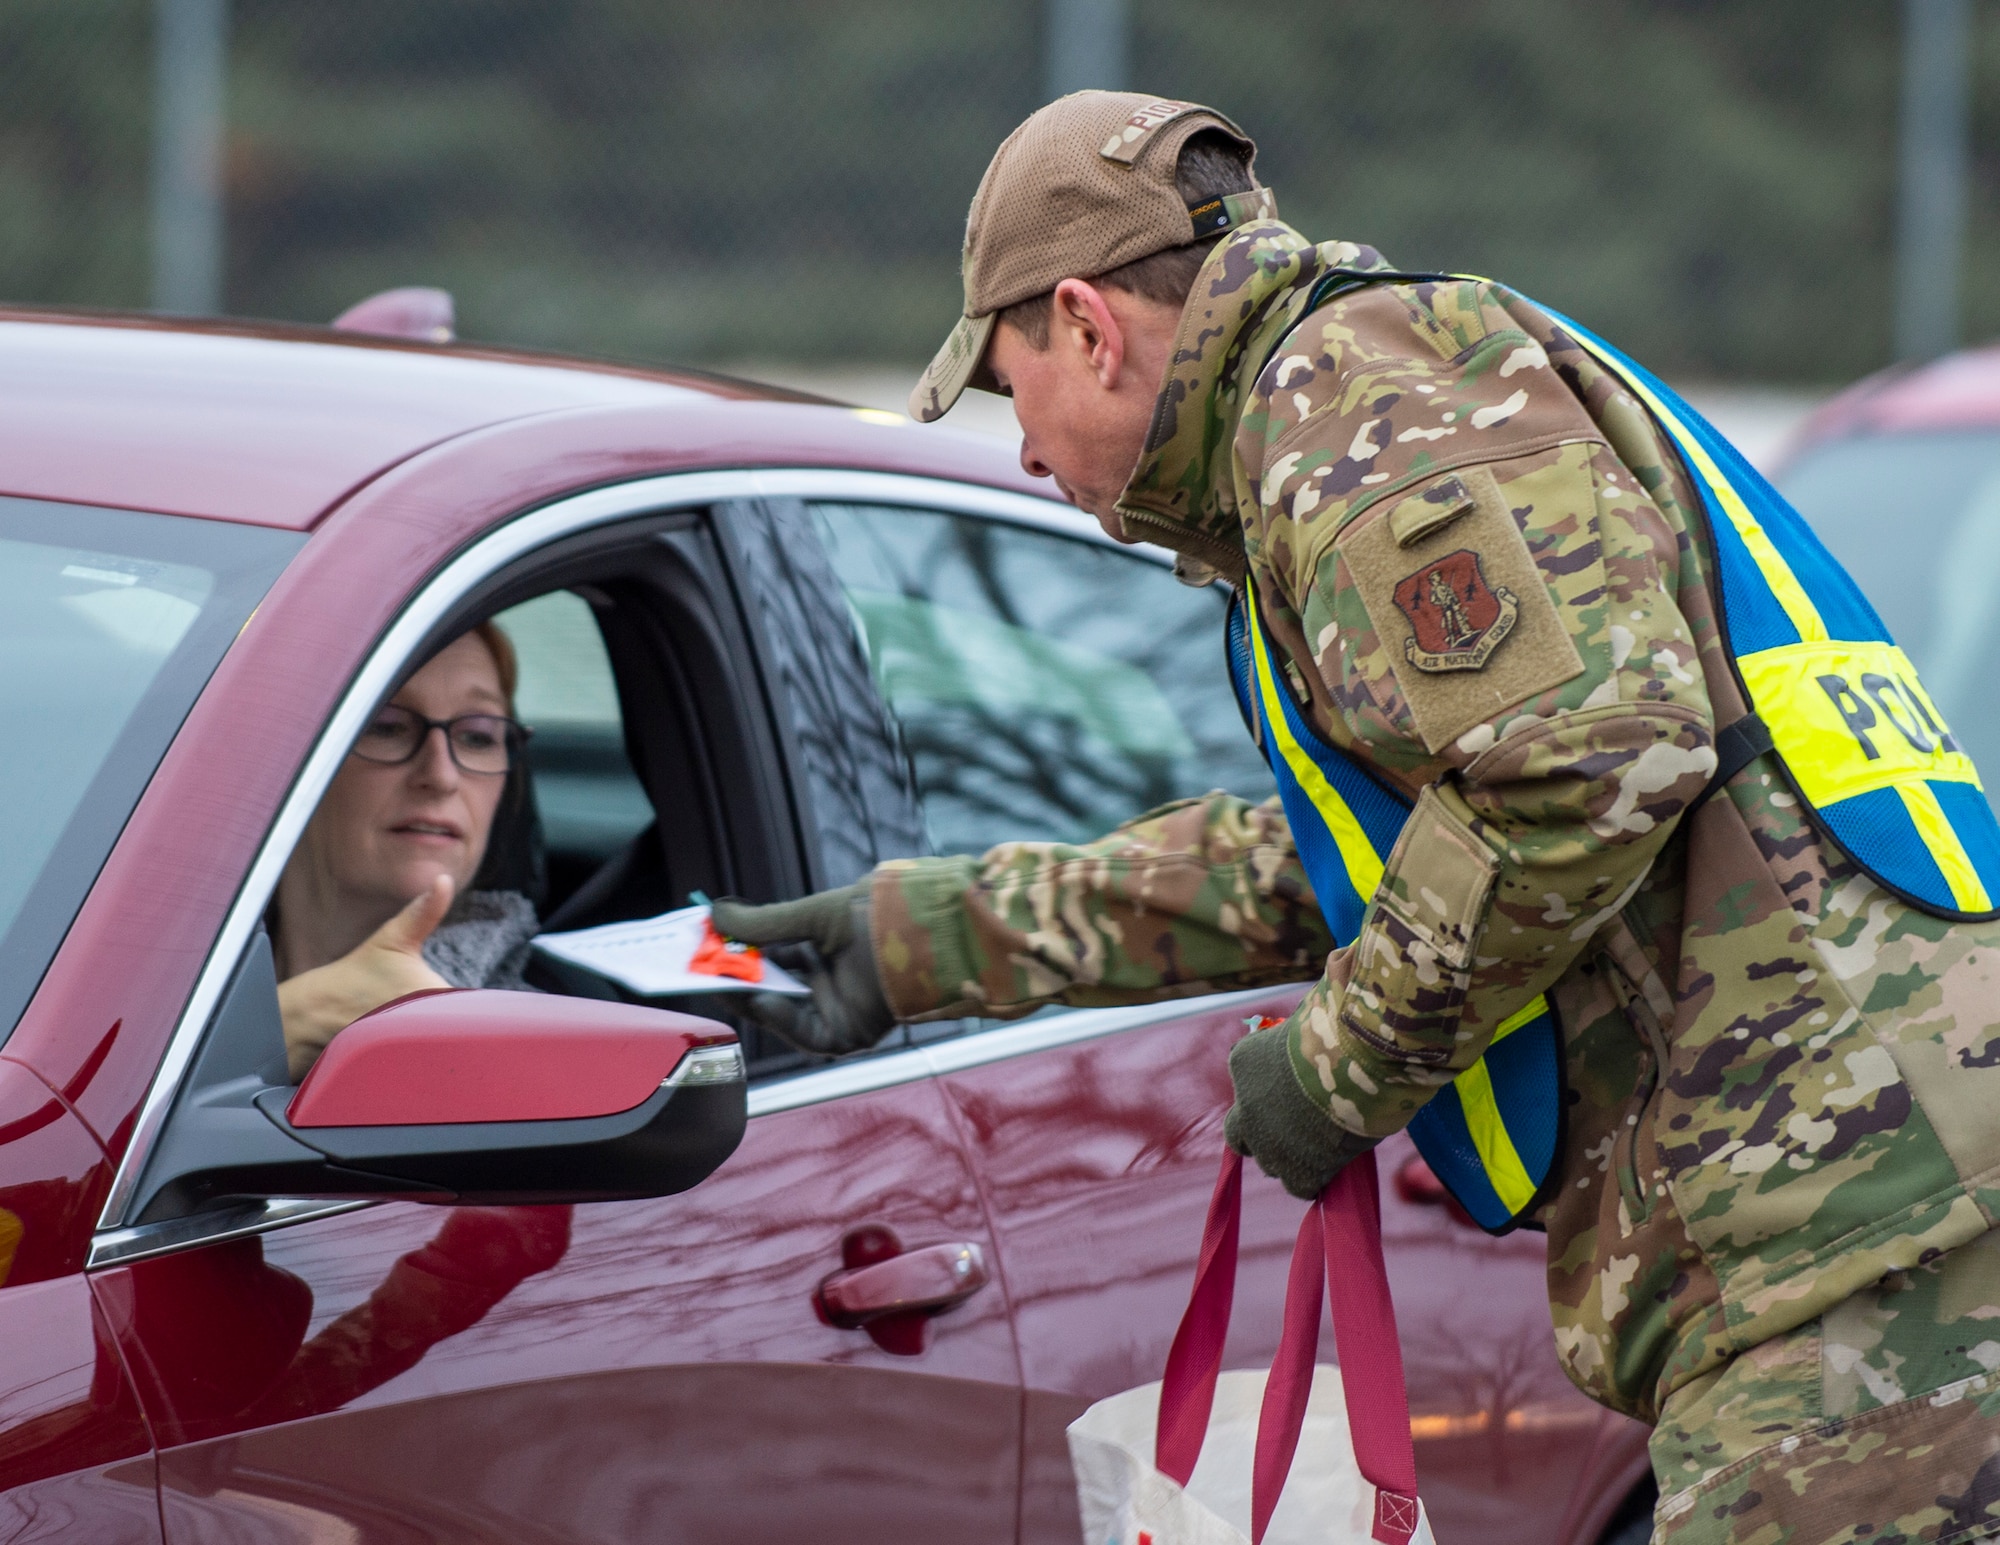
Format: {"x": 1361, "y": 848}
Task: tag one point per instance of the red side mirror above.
{"x": 504, "y": 1097}
{"x": 474, "y": 1096}
{"x": 446, "y": 1058}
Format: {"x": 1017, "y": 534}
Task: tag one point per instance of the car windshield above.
{"x": 1915, "y": 518}
{"x": 110, "y": 623}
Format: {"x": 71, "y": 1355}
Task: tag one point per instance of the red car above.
{"x": 765, "y": 642}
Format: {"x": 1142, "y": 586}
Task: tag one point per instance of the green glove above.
{"x": 1273, "y": 1121}
{"x": 847, "y": 1010}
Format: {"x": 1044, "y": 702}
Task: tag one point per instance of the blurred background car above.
{"x": 1900, "y": 476}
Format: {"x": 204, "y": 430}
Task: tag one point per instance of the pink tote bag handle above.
{"x": 1339, "y": 1246}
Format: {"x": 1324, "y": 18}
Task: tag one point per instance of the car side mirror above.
{"x": 462, "y": 1095}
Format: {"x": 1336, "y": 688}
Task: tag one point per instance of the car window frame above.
{"x": 503, "y": 545}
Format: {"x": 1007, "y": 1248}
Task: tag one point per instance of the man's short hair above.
{"x": 1212, "y": 165}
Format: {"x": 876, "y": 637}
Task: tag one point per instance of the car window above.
{"x": 848, "y": 768}
{"x": 1048, "y": 687}
{"x": 1915, "y": 518}
{"x": 592, "y": 803}
{"x": 110, "y": 624}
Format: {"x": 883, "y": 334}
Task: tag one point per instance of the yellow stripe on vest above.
{"x": 1364, "y": 864}
{"x": 1497, "y": 1154}
{"x": 1520, "y": 1017}
{"x": 1785, "y": 586}
{"x": 1935, "y": 828}
{"x": 1481, "y": 1108}
{"x": 1848, "y": 717}
{"x": 1474, "y": 1087}
{"x": 1852, "y": 718}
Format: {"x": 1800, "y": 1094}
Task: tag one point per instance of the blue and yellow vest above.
{"x": 1493, "y": 1132}
{"x": 1858, "y": 738}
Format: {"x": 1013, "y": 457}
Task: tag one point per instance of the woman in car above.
{"x": 377, "y": 899}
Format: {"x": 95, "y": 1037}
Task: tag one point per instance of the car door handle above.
{"x": 923, "y": 1281}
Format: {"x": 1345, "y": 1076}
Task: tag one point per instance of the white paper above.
{"x": 651, "y": 956}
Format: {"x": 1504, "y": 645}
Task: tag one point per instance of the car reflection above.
{"x": 254, "y": 1364}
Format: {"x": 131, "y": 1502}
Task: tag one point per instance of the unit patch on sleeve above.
{"x": 1461, "y": 612}
{"x": 1458, "y": 619}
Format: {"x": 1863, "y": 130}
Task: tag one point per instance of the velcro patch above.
{"x": 1442, "y": 880}
{"x": 1430, "y": 510}
{"x": 1124, "y": 146}
{"x": 1455, "y": 597}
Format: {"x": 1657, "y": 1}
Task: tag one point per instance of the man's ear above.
{"x": 1082, "y": 321}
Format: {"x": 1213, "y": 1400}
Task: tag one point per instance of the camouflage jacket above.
{"x": 1778, "y": 1074}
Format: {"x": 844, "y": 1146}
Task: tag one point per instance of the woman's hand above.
{"x": 389, "y": 964}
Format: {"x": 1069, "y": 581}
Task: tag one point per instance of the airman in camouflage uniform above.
{"x": 1769, "y": 1235}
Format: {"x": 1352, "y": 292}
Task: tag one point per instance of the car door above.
{"x": 76, "y": 1461}
{"x": 698, "y": 1367}
{"x": 1050, "y": 685}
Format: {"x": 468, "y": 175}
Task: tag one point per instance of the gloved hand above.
{"x": 1272, "y": 1121}
{"x": 847, "y": 1010}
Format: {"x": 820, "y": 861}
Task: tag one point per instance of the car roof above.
{"x": 1959, "y": 391}
{"x": 275, "y": 425}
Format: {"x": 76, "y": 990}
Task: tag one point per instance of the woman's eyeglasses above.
{"x": 484, "y": 743}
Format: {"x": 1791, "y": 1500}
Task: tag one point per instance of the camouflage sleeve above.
{"x": 1199, "y": 896}
{"x": 1487, "y": 594}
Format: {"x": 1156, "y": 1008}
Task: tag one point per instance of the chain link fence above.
{"x": 1712, "y": 183}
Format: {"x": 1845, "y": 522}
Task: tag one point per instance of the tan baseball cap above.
{"x": 1084, "y": 186}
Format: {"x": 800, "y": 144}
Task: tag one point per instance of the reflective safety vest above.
{"x": 1862, "y": 743}
{"x": 1492, "y": 1133}
{"x": 1858, "y": 738}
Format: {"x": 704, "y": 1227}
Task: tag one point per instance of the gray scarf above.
{"x": 483, "y": 941}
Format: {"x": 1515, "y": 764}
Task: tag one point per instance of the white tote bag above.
{"x": 1203, "y": 1457}
{"x": 1126, "y": 1499}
